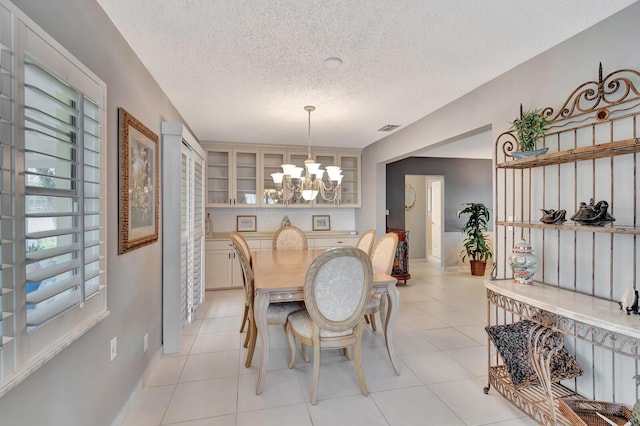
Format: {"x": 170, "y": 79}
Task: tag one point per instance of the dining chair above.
{"x": 336, "y": 290}
{"x": 289, "y": 238}
{"x": 365, "y": 242}
{"x": 277, "y": 313}
{"x": 382, "y": 256}
{"x": 243, "y": 245}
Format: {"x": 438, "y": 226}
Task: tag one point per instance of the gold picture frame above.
{"x": 138, "y": 184}
{"x": 321, "y": 222}
{"x": 246, "y": 224}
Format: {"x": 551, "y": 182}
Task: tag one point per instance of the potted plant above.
{"x": 529, "y": 127}
{"x": 476, "y": 246}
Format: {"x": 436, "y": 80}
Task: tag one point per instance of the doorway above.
{"x": 424, "y": 212}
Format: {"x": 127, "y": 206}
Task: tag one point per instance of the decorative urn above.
{"x": 523, "y": 263}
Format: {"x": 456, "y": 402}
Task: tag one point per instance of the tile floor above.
{"x": 440, "y": 341}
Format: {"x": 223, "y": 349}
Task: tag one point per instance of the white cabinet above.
{"x": 326, "y": 159}
{"x": 330, "y": 242}
{"x": 271, "y": 163}
{"x": 222, "y": 266}
{"x": 242, "y": 177}
{"x": 351, "y": 185}
{"x": 232, "y": 178}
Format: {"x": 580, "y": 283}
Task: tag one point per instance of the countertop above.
{"x": 269, "y": 235}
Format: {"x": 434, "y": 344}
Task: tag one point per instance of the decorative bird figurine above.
{"x": 552, "y": 216}
{"x": 635, "y": 413}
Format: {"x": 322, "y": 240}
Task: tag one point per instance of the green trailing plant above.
{"x": 529, "y": 127}
{"x": 476, "y": 246}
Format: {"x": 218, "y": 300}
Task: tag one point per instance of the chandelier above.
{"x": 292, "y": 184}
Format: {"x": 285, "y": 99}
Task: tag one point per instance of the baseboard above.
{"x": 137, "y": 390}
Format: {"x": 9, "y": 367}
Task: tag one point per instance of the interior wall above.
{"x": 544, "y": 80}
{"x": 80, "y": 386}
{"x": 416, "y": 218}
{"x": 465, "y": 181}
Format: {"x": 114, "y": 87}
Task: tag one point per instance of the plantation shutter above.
{"x": 62, "y": 195}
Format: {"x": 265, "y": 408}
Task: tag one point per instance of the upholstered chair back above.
{"x": 384, "y": 252}
{"x": 289, "y": 238}
{"x": 365, "y": 242}
{"x": 337, "y": 288}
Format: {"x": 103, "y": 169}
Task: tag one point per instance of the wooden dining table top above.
{"x": 281, "y": 269}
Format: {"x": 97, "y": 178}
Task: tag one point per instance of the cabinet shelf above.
{"x": 607, "y": 229}
{"x": 612, "y": 149}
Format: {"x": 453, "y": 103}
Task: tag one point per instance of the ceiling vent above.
{"x": 388, "y": 127}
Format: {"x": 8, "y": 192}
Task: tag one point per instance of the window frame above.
{"x": 23, "y": 351}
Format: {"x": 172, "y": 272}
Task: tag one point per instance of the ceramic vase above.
{"x": 523, "y": 263}
{"x": 207, "y": 225}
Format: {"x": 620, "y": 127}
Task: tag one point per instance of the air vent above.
{"x": 388, "y": 127}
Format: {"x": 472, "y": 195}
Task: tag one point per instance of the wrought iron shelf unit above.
{"x": 594, "y": 147}
{"x": 612, "y": 149}
{"x": 607, "y": 229}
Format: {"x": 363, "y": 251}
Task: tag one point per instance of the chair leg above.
{"x": 292, "y": 343}
{"x": 357, "y": 360}
{"x": 366, "y": 318}
{"x": 252, "y": 343}
{"x": 383, "y": 311}
{"x": 347, "y": 353}
{"x": 245, "y": 317}
{"x": 316, "y": 372}
{"x": 372, "y": 319}
{"x": 303, "y": 350}
{"x": 247, "y": 336}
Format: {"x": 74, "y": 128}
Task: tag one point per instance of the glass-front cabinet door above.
{"x": 246, "y": 178}
{"x": 297, "y": 158}
{"x": 218, "y": 178}
{"x": 232, "y": 178}
{"x": 326, "y": 159}
{"x": 350, "y": 191}
{"x": 271, "y": 163}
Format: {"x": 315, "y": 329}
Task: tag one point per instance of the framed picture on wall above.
{"x": 246, "y": 223}
{"x": 321, "y": 223}
{"x": 139, "y": 184}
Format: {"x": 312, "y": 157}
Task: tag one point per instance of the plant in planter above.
{"x": 530, "y": 127}
{"x": 476, "y": 246}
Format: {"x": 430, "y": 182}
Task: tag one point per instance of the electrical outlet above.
{"x": 145, "y": 342}
{"x": 114, "y": 348}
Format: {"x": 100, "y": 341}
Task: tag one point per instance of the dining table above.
{"x": 279, "y": 276}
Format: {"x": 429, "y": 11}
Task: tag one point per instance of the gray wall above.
{"x": 465, "y": 181}
{"x": 416, "y": 218}
{"x": 81, "y": 386}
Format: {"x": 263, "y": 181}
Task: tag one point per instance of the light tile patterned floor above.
{"x": 440, "y": 341}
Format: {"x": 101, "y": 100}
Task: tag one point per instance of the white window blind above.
{"x": 53, "y": 199}
{"x": 62, "y": 195}
{"x": 8, "y": 237}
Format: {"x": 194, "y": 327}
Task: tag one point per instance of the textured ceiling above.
{"x": 242, "y": 71}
